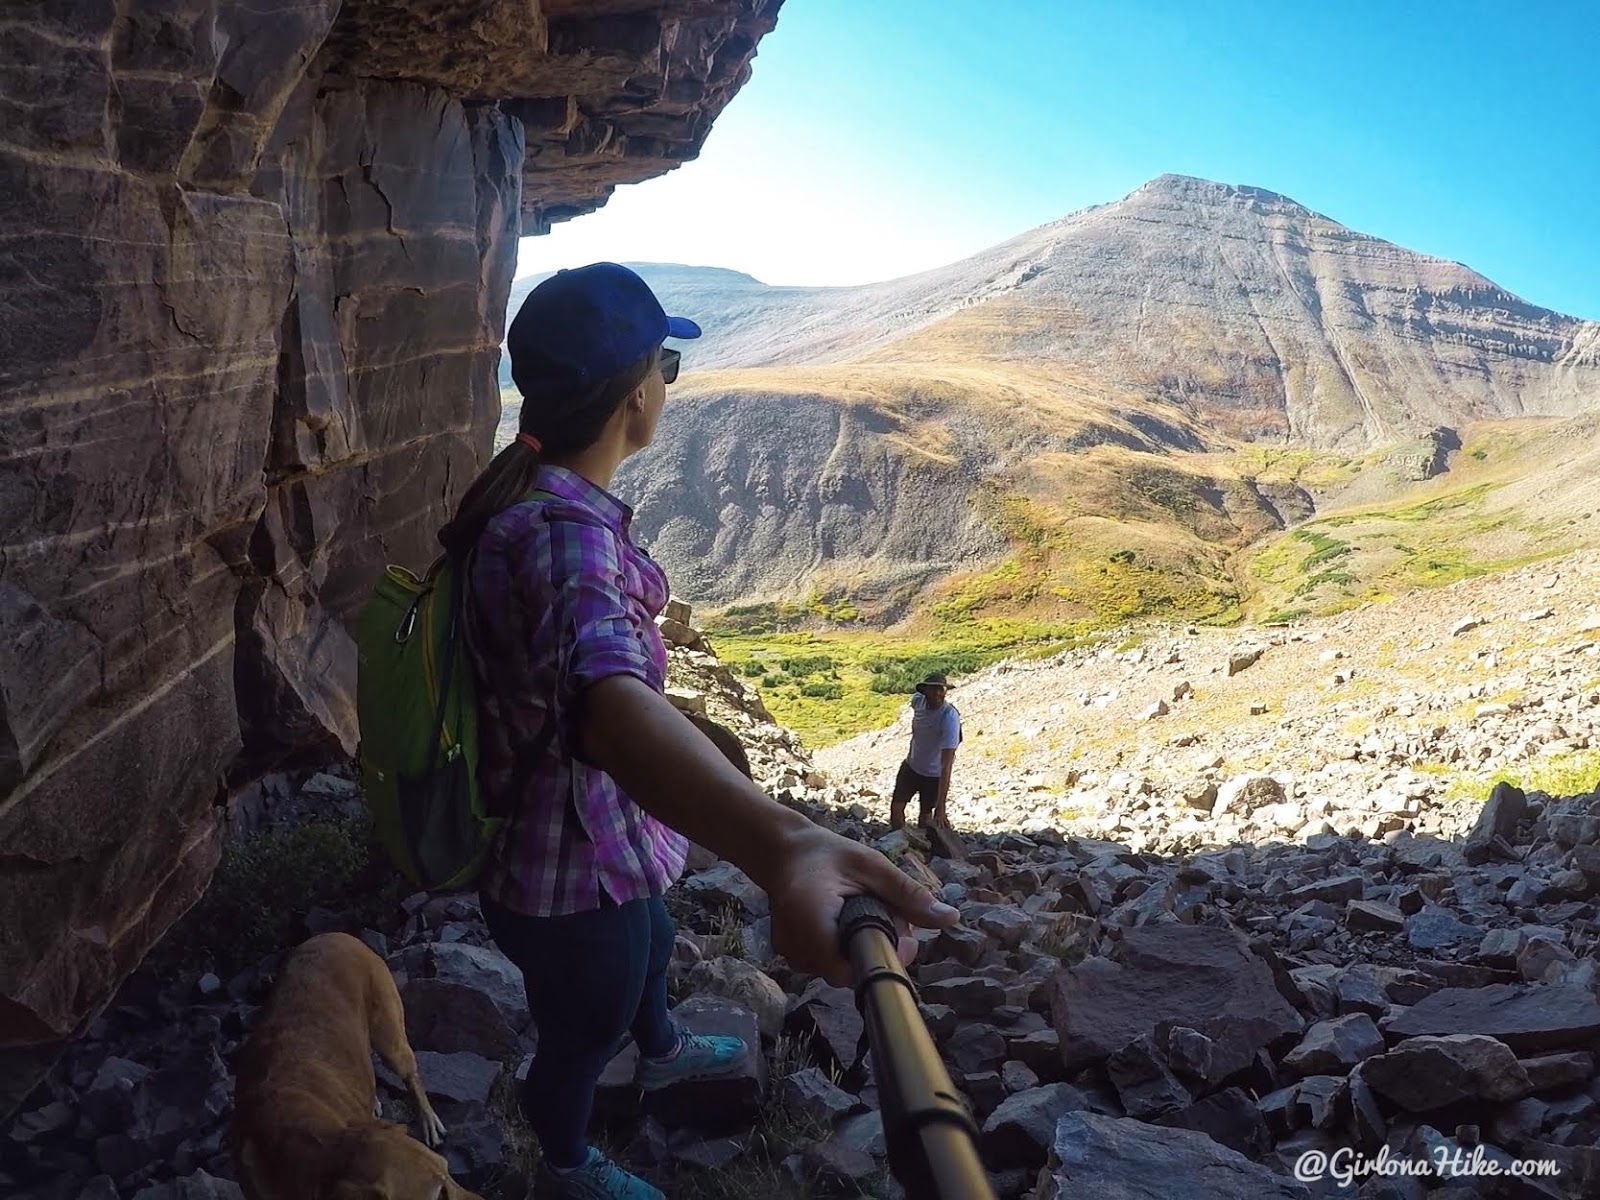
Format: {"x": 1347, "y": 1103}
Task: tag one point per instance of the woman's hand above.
{"x": 807, "y": 886}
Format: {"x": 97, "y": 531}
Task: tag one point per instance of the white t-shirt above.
{"x": 932, "y": 730}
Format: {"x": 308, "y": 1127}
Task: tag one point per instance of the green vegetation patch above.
{"x": 899, "y": 674}
{"x": 264, "y": 886}
{"x": 1384, "y": 551}
{"x": 829, "y": 685}
{"x": 1560, "y": 775}
{"x": 1324, "y": 548}
{"x": 1309, "y": 468}
{"x": 759, "y": 619}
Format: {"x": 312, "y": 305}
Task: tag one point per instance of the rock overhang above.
{"x": 608, "y": 92}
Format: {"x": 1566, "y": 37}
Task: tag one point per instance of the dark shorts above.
{"x": 925, "y": 787}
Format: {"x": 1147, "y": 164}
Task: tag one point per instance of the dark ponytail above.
{"x": 506, "y": 480}
{"x": 568, "y": 427}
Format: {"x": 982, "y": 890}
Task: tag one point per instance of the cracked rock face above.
{"x": 254, "y": 307}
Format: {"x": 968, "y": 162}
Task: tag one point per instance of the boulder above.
{"x": 968, "y": 995}
{"x": 1332, "y": 891}
{"x": 1230, "y": 1118}
{"x": 1552, "y": 1071}
{"x": 1334, "y": 1047}
{"x": 1319, "y": 1102}
{"x": 974, "y": 1047}
{"x": 1243, "y": 660}
{"x": 1113, "y": 1158}
{"x": 451, "y": 1017}
{"x": 1424, "y": 1073}
{"x": 725, "y": 886}
{"x": 737, "y": 980}
{"x": 1359, "y": 990}
{"x": 827, "y": 1018}
{"x": 831, "y": 1169}
{"x": 1019, "y": 1132}
{"x": 1017, "y": 1076}
{"x": 463, "y": 1078}
{"x": 1373, "y": 916}
{"x": 811, "y": 1095}
{"x": 1197, "y": 977}
{"x": 714, "y": 1105}
{"x": 200, "y": 1186}
{"x": 1499, "y": 817}
{"x": 1526, "y": 1017}
{"x": 1438, "y": 928}
{"x": 483, "y": 969}
{"x": 1143, "y": 1080}
{"x": 1243, "y": 795}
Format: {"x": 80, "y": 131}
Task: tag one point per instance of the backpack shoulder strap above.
{"x": 530, "y": 752}
{"x": 457, "y": 613}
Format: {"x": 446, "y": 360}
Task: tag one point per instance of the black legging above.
{"x": 590, "y": 977}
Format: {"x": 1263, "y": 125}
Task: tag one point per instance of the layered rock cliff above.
{"x": 254, "y": 281}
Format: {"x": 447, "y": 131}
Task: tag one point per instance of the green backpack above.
{"x": 417, "y": 707}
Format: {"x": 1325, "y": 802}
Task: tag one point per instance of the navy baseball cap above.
{"x": 585, "y": 325}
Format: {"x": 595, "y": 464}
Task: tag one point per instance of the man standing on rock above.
{"x": 935, "y": 734}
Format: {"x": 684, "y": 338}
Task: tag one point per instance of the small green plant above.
{"x": 758, "y": 619}
{"x": 808, "y": 664}
{"x": 264, "y": 886}
{"x": 823, "y": 691}
{"x": 1323, "y": 549}
{"x": 727, "y": 934}
{"x": 790, "y": 1053}
{"x": 896, "y": 676}
{"x": 1284, "y": 616}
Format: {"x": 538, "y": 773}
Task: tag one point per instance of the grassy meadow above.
{"x": 829, "y": 681}
{"x": 1516, "y": 493}
{"x": 1109, "y": 538}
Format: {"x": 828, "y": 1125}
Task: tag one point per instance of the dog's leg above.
{"x": 387, "y": 1028}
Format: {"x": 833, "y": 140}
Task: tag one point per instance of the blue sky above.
{"x": 881, "y": 137}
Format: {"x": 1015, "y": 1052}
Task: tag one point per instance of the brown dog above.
{"x": 305, "y": 1122}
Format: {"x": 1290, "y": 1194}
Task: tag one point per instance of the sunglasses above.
{"x": 669, "y": 365}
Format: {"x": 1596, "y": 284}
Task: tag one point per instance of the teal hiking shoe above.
{"x": 699, "y": 1056}
{"x": 597, "y": 1179}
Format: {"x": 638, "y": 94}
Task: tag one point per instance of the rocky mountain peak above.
{"x": 1193, "y": 191}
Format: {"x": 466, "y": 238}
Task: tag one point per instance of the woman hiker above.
{"x": 562, "y": 625}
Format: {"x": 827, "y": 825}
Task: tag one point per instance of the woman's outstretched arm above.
{"x": 674, "y": 772}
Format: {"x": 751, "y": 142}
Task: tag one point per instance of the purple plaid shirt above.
{"x": 562, "y": 598}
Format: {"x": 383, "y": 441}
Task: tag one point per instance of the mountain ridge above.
{"x": 1084, "y": 392}
{"x": 1076, "y": 258}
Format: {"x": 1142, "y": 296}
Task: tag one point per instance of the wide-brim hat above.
{"x": 936, "y": 679}
{"x": 583, "y": 326}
